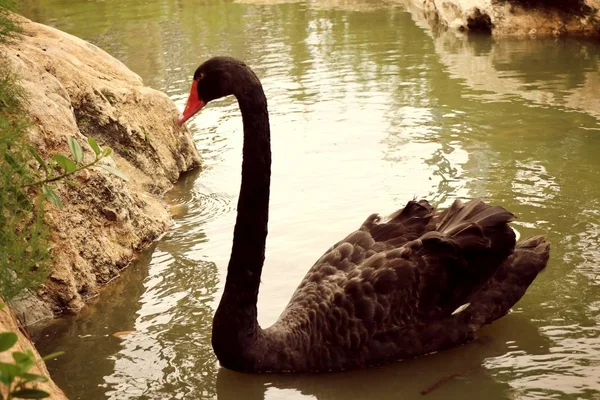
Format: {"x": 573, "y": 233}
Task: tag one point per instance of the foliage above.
{"x": 14, "y": 377}
{"x": 24, "y": 258}
{"x": 8, "y": 26}
{"x": 67, "y": 166}
{"x": 24, "y": 255}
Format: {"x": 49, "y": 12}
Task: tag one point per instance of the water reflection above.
{"x": 91, "y": 333}
{"x": 445, "y": 375}
{"x": 169, "y": 353}
{"x": 368, "y": 109}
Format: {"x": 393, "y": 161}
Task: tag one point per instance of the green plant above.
{"x": 8, "y": 26}
{"x": 15, "y": 377}
{"x": 67, "y": 166}
{"x": 24, "y": 257}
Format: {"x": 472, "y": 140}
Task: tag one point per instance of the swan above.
{"x": 414, "y": 283}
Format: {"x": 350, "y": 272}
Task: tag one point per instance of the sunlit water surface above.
{"x": 368, "y": 109}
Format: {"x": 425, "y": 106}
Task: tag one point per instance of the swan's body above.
{"x": 388, "y": 291}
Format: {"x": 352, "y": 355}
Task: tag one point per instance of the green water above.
{"x": 368, "y": 109}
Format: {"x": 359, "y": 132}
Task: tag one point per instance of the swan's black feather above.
{"x": 389, "y": 290}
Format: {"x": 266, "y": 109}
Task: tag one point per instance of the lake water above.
{"x": 368, "y": 109}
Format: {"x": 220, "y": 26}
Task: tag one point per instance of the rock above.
{"x": 77, "y": 90}
{"x": 8, "y": 322}
{"x": 511, "y": 17}
{"x": 31, "y": 309}
{"x": 76, "y": 304}
{"x": 110, "y": 214}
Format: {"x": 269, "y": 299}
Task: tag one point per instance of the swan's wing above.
{"x": 343, "y": 261}
{"x": 356, "y": 291}
{"x": 429, "y": 278}
{"x": 376, "y": 235}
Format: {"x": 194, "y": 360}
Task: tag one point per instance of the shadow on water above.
{"x": 456, "y": 372}
{"x": 368, "y": 108}
{"x": 91, "y": 332}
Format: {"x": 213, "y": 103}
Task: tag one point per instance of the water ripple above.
{"x": 367, "y": 110}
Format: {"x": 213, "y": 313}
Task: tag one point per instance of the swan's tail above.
{"x": 478, "y": 226}
{"x": 471, "y": 258}
{"x": 467, "y": 246}
{"x": 511, "y": 280}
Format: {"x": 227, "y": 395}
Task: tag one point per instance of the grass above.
{"x": 8, "y": 27}
{"x": 24, "y": 254}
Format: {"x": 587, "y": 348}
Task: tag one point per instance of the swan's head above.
{"x": 216, "y": 78}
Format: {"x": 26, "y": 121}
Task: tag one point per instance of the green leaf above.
{"x": 26, "y": 377}
{"x": 51, "y": 196}
{"x": 8, "y": 372}
{"x": 13, "y": 163}
{"x": 65, "y": 163}
{"x": 94, "y": 145}
{"x": 38, "y": 158}
{"x": 21, "y": 357}
{"x": 114, "y": 171}
{"x": 53, "y": 355}
{"x": 30, "y": 394}
{"x": 75, "y": 149}
{"x": 10, "y": 160}
{"x": 7, "y": 340}
{"x": 107, "y": 152}
{"x": 24, "y": 360}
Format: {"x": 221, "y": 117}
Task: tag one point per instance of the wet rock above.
{"x": 512, "y": 17}
{"x": 479, "y": 22}
{"x": 76, "y": 304}
{"x": 31, "y": 309}
{"x": 77, "y": 90}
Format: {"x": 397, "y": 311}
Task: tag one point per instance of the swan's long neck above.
{"x": 235, "y": 325}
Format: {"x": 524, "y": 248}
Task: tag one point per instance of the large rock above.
{"x": 9, "y": 323}
{"x": 511, "y": 18}
{"x": 77, "y": 90}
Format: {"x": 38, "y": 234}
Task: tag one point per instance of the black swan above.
{"x": 415, "y": 283}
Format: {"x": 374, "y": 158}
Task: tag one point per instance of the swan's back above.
{"x": 391, "y": 289}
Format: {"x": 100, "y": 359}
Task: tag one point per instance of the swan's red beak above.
{"x": 194, "y": 104}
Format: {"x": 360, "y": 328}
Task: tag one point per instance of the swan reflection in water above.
{"x": 447, "y": 375}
